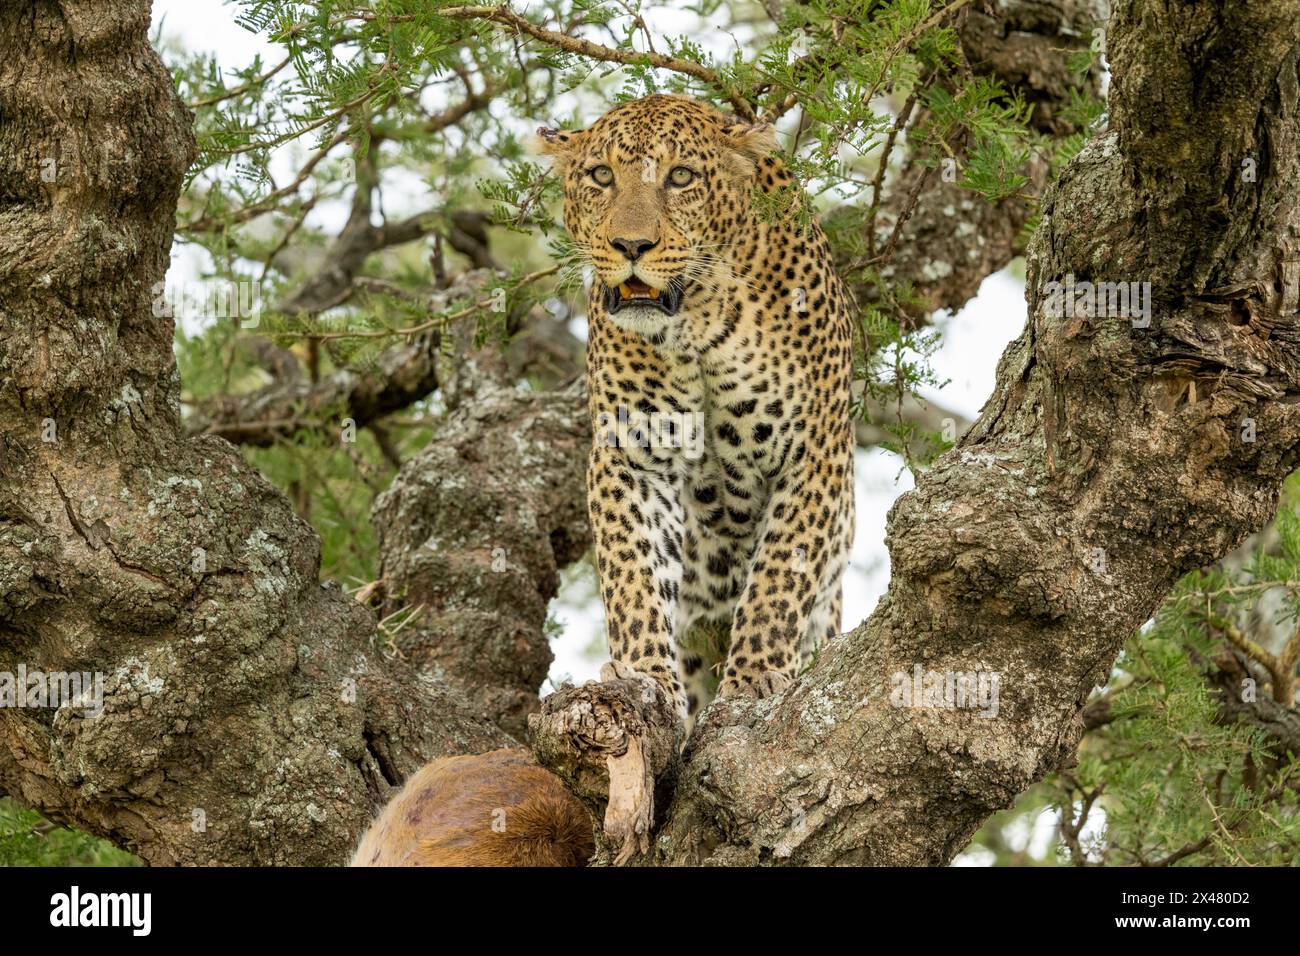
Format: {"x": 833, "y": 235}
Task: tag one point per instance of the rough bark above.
{"x": 249, "y": 714}
{"x": 473, "y": 532}
{"x": 615, "y": 745}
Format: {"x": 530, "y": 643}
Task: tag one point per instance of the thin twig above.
{"x": 506, "y": 17}
{"x": 243, "y": 87}
{"x": 437, "y": 322}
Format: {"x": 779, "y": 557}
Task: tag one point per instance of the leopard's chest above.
{"x": 717, "y": 422}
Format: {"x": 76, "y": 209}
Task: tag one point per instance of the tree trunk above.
{"x": 250, "y": 716}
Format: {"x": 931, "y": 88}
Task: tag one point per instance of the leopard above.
{"x": 719, "y": 366}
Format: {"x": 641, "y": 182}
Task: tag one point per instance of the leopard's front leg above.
{"x": 638, "y": 534}
{"x": 793, "y": 577}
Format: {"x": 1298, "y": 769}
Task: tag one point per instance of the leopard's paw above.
{"x": 766, "y": 684}
{"x": 617, "y": 670}
{"x": 652, "y": 689}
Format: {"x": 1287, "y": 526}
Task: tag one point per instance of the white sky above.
{"x": 973, "y": 341}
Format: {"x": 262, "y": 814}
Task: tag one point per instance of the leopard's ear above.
{"x": 561, "y": 144}
{"x": 752, "y": 140}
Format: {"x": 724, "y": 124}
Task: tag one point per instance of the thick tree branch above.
{"x": 331, "y": 284}
{"x": 615, "y": 745}
{"x": 473, "y": 532}
{"x": 398, "y": 376}
{"x": 1280, "y": 723}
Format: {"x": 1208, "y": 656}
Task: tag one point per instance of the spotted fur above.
{"x": 751, "y": 527}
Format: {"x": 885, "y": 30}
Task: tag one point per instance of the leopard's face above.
{"x": 655, "y": 192}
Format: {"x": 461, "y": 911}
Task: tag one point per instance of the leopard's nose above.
{"x": 633, "y": 249}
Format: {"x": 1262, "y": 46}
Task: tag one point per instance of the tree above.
{"x": 254, "y": 715}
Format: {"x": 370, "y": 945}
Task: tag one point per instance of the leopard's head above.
{"x": 655, "y": 193}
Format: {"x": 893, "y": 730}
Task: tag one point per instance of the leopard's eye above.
{"x": 603, "y": 175}
{"x": 680, "y": 176}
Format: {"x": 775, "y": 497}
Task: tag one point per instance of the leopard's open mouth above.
{"x": 634, "y": 293}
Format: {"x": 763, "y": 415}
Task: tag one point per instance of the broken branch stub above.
{"x": 613, "y": 744}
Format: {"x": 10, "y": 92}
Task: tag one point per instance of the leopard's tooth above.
{"x": 654, "y": 293}
{"x": 625, "y": 291}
